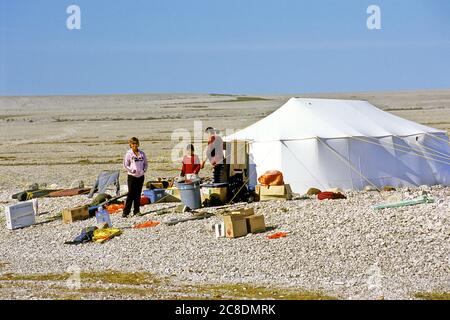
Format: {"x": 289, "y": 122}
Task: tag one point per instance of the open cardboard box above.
{"x": 255, "y": 223}
{"x": 220, "y": 192}
{"x": 243, "y": 221}
{"x": 236, "y": 224}
{"x": 265, "y": 193}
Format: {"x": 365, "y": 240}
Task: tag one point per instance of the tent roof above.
{"x": 328, "y": 118}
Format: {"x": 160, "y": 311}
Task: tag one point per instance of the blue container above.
{"x": 155, "y": 195}
{"x": 190, "y": 194}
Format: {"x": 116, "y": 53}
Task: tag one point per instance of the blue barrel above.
{"x": 190, "y": 194}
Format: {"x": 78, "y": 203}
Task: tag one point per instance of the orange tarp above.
{"x": 147, "y": 224}
{"x": 277, "y": 235}
{"x": 113, "y": 208}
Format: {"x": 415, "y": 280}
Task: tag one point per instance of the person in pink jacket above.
{"x": 135, "y": 163}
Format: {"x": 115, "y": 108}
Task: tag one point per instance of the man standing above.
{"x": 214, "y": 153}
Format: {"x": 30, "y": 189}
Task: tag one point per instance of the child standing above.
{"x": 135, "y": 162}
{"x": 191, "y": 163}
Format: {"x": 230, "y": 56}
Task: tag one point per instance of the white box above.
{"x": 20, "y": 215}
{"x": 220, "y": 230}
{"x": 35, "y": 206}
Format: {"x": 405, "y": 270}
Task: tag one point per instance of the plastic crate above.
{"x": 155, "y": 195}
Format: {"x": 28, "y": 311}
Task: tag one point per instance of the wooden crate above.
{"x": 74, "y": 214}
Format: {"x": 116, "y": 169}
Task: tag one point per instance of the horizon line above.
{"x": 223, "y": 93}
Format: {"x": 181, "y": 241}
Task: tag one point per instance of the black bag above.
{"x": 86, "y": 235}
{"x": 237, "y": 189}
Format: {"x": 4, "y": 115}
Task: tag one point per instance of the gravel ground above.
{"x": 340, "y": 247}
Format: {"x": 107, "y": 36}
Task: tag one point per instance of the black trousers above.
{"x": 134, "y": 194}
{"x": 220, "y": 172}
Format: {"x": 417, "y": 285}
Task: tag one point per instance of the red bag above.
{"x": 144, "y": 201}
{"x": 271, "y": 178}
{"x": 330, "y": 195}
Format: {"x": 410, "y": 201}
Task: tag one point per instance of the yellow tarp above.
{"x": 102, "y": 235}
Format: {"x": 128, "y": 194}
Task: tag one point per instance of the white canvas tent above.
{"x": 349, "y": 144}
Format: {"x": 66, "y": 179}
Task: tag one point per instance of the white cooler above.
{"x": 20, "y": 215}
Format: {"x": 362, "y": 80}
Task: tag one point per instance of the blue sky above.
{"x": 226, "y": 46}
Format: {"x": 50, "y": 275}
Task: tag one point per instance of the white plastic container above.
{"x": 20, "y": 215}
{"x": 102, "y": 217}
{"x": 220, "y": 230}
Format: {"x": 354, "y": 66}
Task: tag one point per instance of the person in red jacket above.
{"x": 191, "y": 162}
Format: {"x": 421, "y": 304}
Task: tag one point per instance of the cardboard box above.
{"x": 244, "y": 212}
{"x": 220, "y": 192}
{"x": 20, "y": 215}
{"x": 274, "y": 192}
{"x": 235, "y": 225}
{"x": 75, "y": 214}
{"x": 255, "y": 223}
